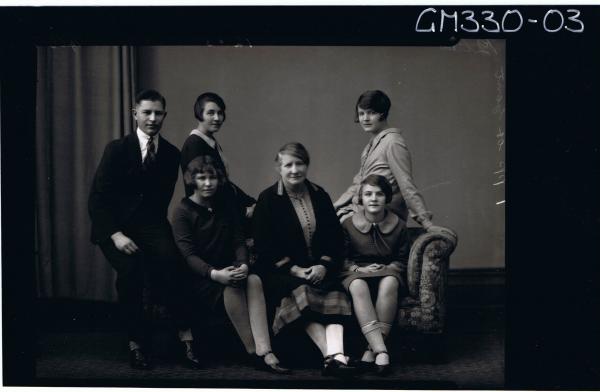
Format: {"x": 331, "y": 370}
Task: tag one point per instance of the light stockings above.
{"x": 387, "y": 303}
{"x": 375, "y": 321}
{"x": 329, "y": 339}
{"x": 247, "y": 311}
{"x": 366, "y": 315}
{"x": 257, "y": 311}
{"x": 335, "y": 341}
{"x": 316, "y": 332}
{"x": 236, "y": 307}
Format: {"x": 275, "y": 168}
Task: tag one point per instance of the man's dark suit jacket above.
{"x": 117, "y": 190}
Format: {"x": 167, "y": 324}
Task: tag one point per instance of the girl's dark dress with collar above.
{"x": 208, "y": 239}
{"x": 385, "y": 242}
{"x": 280, "y": 244}
{"x": 193, "y": 147}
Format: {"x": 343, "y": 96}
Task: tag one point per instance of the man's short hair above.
{"x": 150, "y": 95}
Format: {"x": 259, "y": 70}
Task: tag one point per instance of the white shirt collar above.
{"x": 143, "y": 139}
{"x": 209, "y": 140}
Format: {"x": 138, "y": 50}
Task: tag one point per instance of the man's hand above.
{"x": 124, "y": 244}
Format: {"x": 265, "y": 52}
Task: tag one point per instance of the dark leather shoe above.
{"x": 189, "y": 357}
{"x": 260, "y": 364}
{"x": 138, "y": 360}
{"x": 361, "y": 366}
{"x": 382, "y": 370}
{"x": 335, "y": 368}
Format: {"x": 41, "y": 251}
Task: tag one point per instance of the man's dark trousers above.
{"x": 129, "y": 197}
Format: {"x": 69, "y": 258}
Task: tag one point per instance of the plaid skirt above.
{"x": 312, "y": 303}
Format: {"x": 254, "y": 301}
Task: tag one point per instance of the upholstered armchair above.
{"x": 424, "y": 310}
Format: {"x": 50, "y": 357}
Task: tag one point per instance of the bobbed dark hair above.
{"x": 205, "y": 98}
{"x": 379, "y": 181}
{"x": 202, "y": 164}
{"x": 150, "y": 95}
{"x": 294, "y": 149}
{"x": 375, "y": 100}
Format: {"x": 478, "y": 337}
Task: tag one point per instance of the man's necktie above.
{"x": 150, "y": 153}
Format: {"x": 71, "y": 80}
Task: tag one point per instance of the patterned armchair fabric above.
{"x": 423, "y": 310}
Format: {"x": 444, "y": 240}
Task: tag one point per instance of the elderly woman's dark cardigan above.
{"x": 277, "y": 232}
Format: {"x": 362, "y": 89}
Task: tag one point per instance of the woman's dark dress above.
{"x": 195, "y": 146}
{"x": 208, "y": 239}
{"x": 385, "y": 242}
{"x": 278, "y": 234}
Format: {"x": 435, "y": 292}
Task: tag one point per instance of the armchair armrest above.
{"x": 425, "y": 263}
{"x": 424, "y": 309}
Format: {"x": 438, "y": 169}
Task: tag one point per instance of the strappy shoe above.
{"x": 382, "y": 370}
{"x": 260, "y": 364}
{"x": 364, "y": 366}
{"x": 336, "y": 368}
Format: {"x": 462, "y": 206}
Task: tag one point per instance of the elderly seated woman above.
{"x": 299, "y": 243}
{"x": 375, "y": 268}
{"x": 208, "y": 233}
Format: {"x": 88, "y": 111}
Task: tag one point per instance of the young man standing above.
{"x": 128, "y": 205}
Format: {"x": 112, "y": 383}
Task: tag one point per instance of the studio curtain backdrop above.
{"x": 84, "y": 100}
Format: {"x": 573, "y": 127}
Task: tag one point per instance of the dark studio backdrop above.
{"x": 449, "y": 102}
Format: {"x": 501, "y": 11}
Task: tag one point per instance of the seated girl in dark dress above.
{"x": 209, "y": 236}
{"x": 377, "y": 247}
{"x": 300, "y": 245}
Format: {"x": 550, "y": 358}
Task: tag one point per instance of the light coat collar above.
{"x": 389, "y": 222}
{"x": 383, "y": 133}
{"x": 210, "y": 141}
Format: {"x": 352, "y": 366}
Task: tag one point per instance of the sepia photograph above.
{"x": 316, "y": 213}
